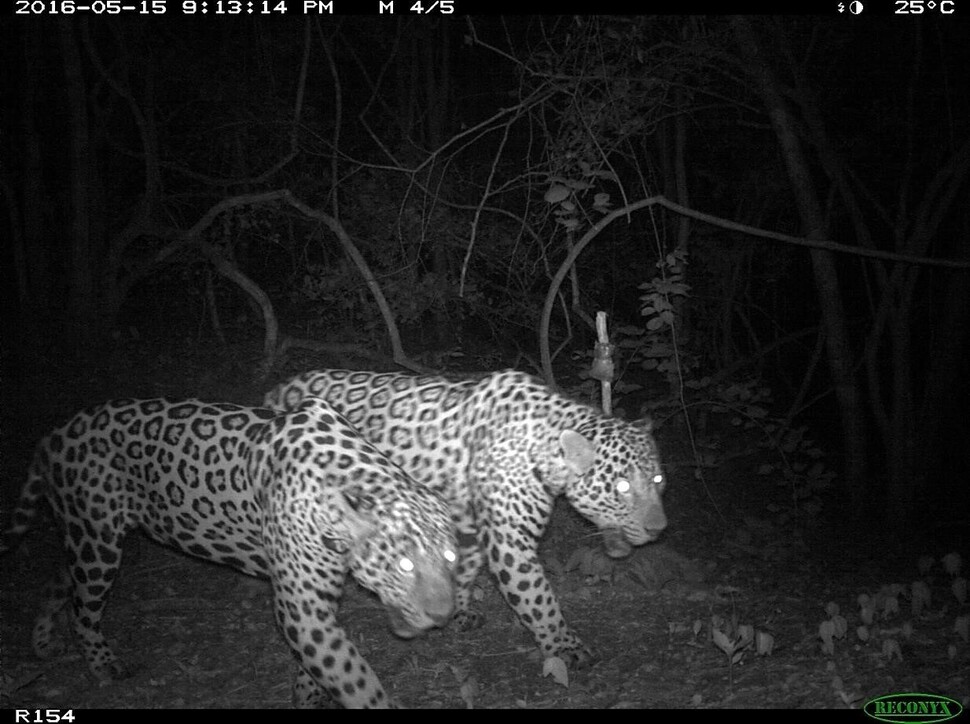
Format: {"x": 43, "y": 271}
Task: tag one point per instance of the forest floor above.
{"x": 663, "y": 621}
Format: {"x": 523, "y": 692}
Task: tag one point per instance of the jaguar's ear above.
{"x": 360, "y": 525}
{"x": 347, "y": 517}
{"x": 645, "y": 423}
{"x": 313, "y": 406}
{"x": 579, "y": 454}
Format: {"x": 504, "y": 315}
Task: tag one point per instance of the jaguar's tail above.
{"x": 29, "y": 502}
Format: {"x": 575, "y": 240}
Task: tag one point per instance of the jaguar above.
{"x": 298, "y": 497}
{"x": 499, "y": 450}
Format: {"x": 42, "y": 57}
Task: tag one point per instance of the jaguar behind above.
{"x": 500, "y": 449}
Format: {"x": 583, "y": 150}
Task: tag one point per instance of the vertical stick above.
{"x": 602, "y": 368}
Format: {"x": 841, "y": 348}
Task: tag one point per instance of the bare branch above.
{"x": 716, "y": 221}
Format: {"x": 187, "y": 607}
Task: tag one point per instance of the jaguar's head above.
{"x": 617, "y": 481}
{"x": 406, "y": 553}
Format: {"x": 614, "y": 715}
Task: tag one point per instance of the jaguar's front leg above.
{"x": 469, "y": 564}
{"x": 514, "y": 561}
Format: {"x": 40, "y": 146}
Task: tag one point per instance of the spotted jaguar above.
{"x": 298, "y": 497}
{"x": 500, "y": 450}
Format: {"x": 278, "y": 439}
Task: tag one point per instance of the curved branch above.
{"x": 716, "y": 221}
{"x": 231, "y": 271}
{"x": 354, "y": 253}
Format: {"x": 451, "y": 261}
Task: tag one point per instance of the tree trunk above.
{"x": 35, "y": 296}
{"x": 838, "y": 349}
{"x": 899, "y": 445}
{"x": 436, "y": 61}
{"x": 947, "y": 354}
{"x": 81, "y": 302}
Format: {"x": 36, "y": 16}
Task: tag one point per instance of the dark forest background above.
{"x": 772, "y": 211}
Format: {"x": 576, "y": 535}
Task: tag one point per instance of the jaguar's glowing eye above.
{"x": 450, "y": 556}
{"x": 657, "y": 479}
{"x": 406, "y": 565}
{"x": 623, "y": 486}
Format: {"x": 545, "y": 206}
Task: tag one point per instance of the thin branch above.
{"x": 716, "y": 221}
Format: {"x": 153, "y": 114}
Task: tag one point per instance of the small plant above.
{"x": 877, "y": 612}
{"x": 654, "y": 347}
{"x": 657, "y": 303}
{"x": 833, "y": 628}
{"x": 920, "y": 597}
{"x": 958, "y": 585}
{"x": 734, "y": 639}
{"x": 850, "y": 699}
{"x": 796, "y": 460}
{"x": 961, "y": 627}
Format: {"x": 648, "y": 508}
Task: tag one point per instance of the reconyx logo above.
{"x": 912, "y": 708}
